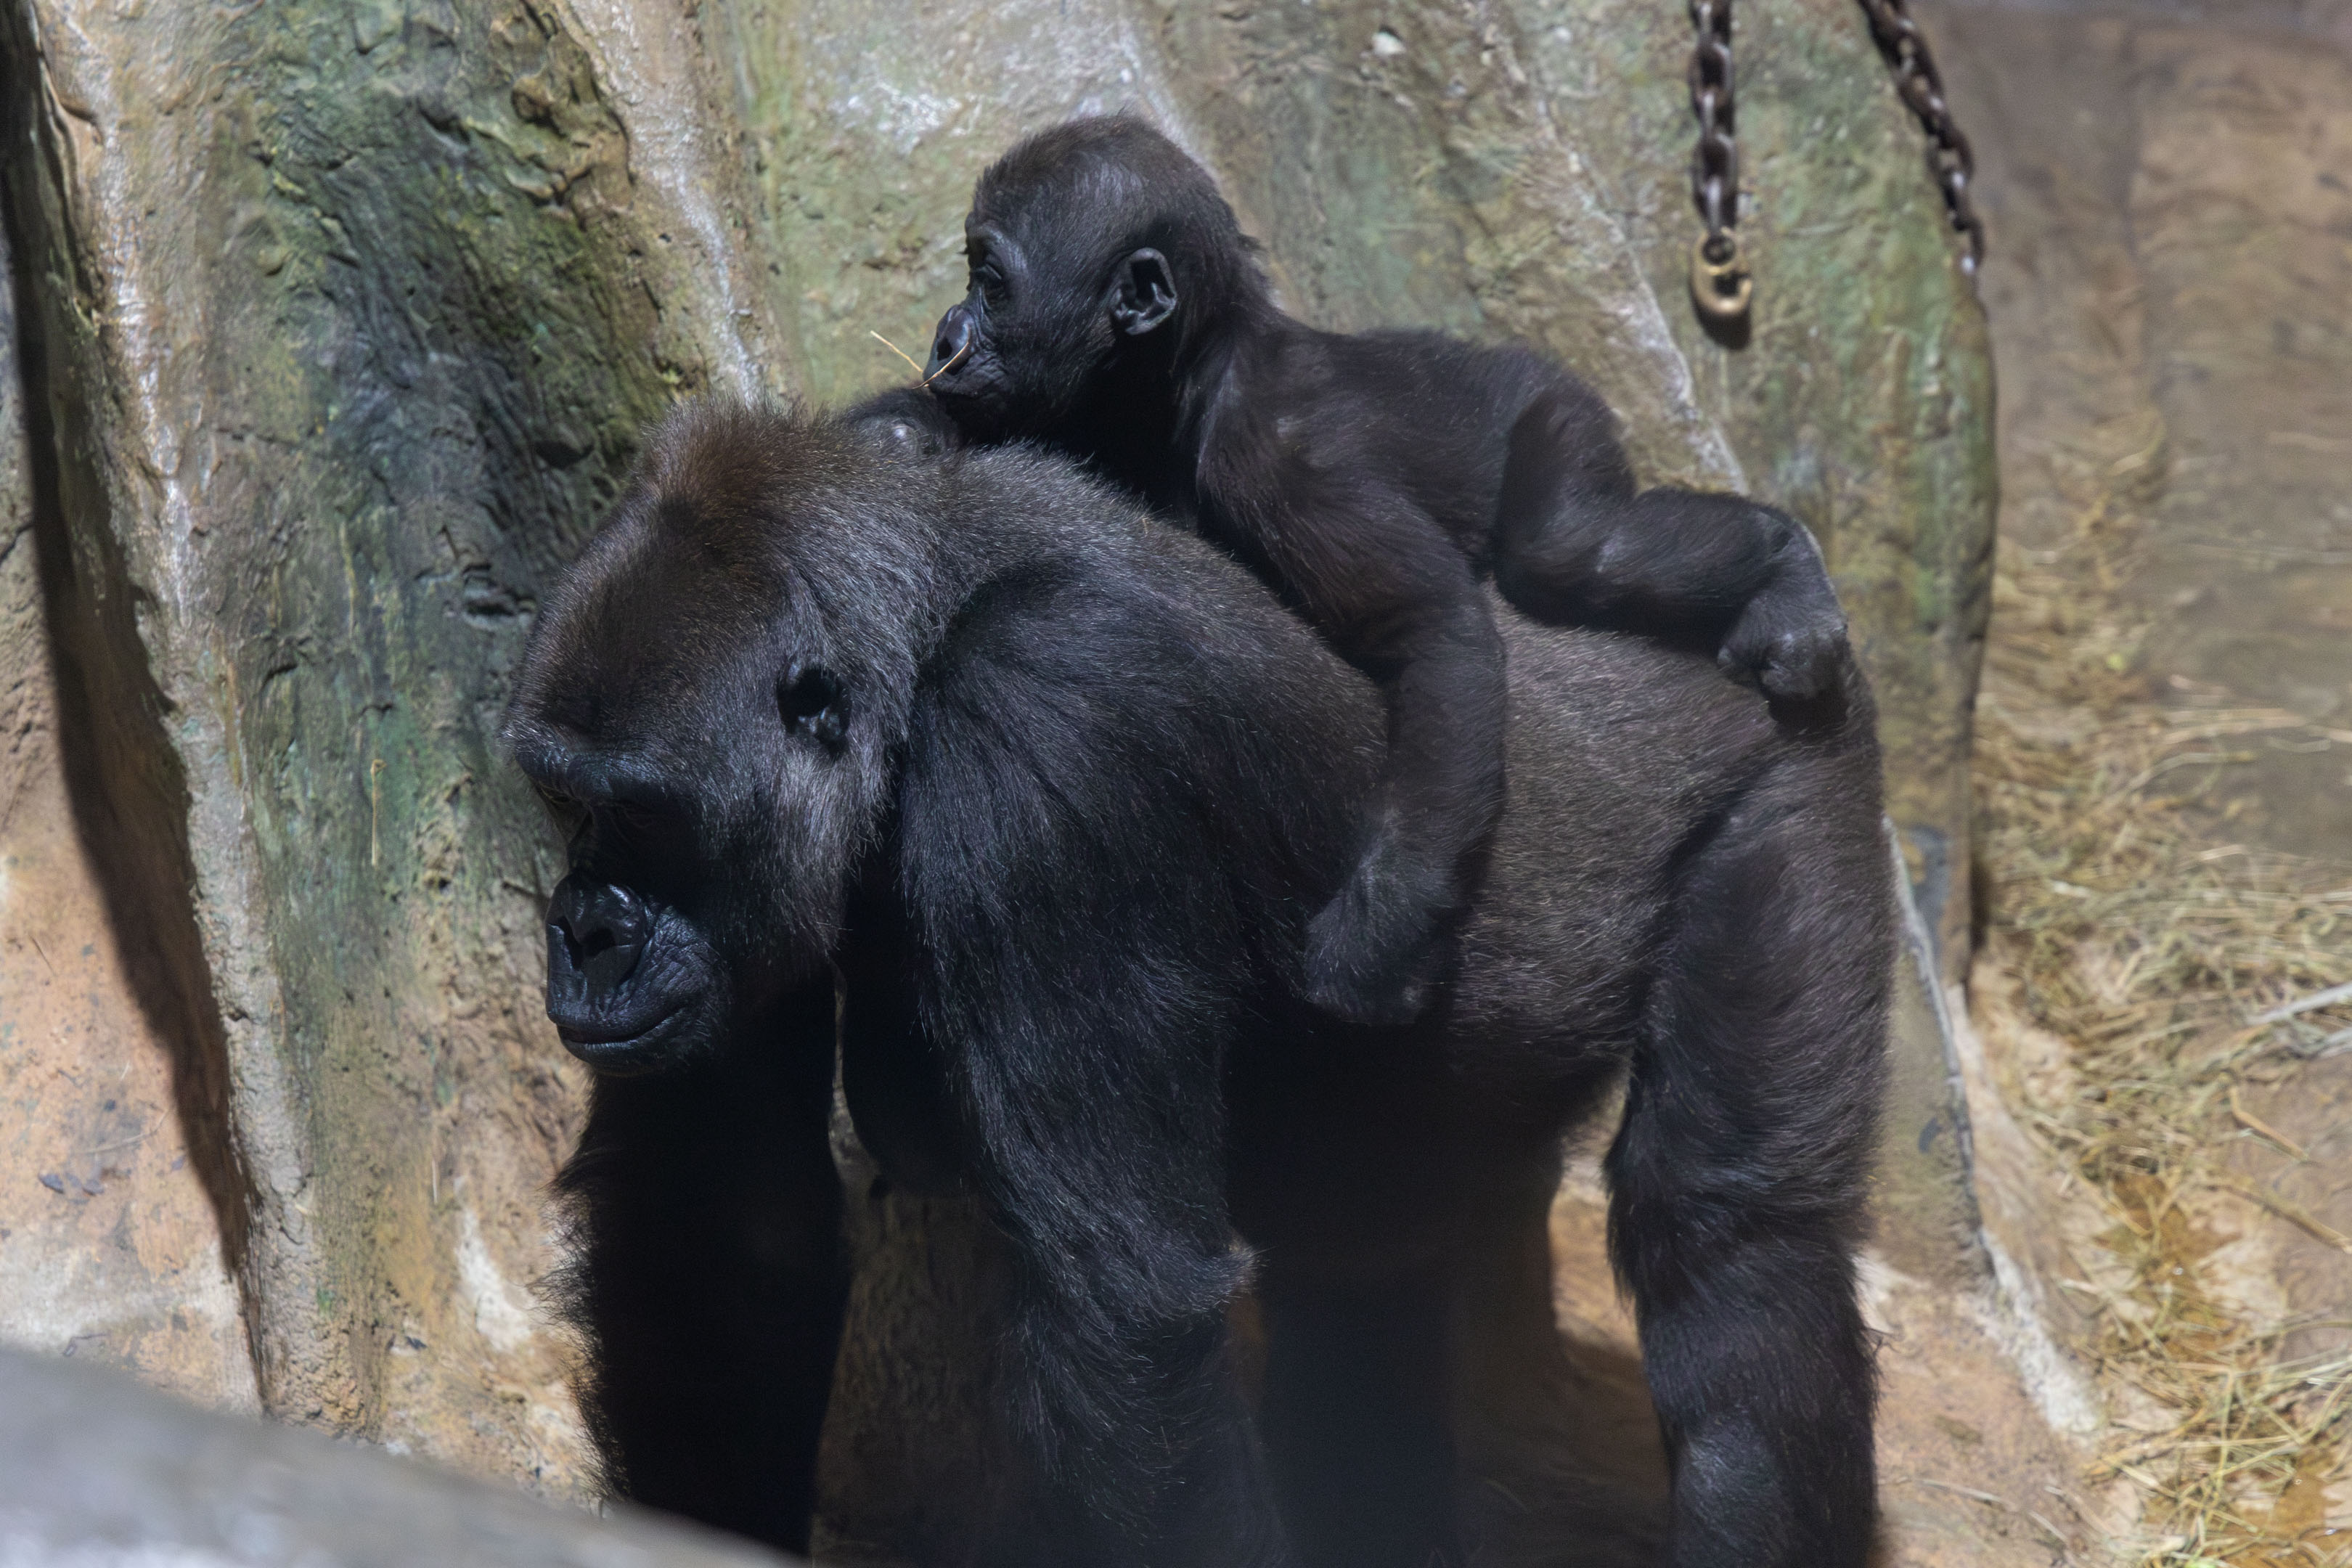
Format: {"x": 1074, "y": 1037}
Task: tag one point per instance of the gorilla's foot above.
{"x": 1791, "y": 637}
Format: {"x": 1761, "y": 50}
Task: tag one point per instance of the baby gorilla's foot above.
{"x": 1791, "y": 636}
{"x": 1373, "y": 953}
{"x": 1791, "y": 662}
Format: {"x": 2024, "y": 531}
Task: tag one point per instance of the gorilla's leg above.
{"x": 708, "y": 1279}
{"x": 1737, "y": 1176}
{"x": 1358, "y": 1415}
{"x": 1130, "y": 1443}
{"x": 1575, "y": 544}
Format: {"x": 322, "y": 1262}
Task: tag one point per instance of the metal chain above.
{"x": 1720, "y": 285}
{"x": 1949, "y": 159}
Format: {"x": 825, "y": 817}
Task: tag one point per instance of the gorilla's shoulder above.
{"x": 1117, "y": 677}
{"x": 1087, "y": 545}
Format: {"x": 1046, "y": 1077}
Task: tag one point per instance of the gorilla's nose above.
{"x": 595, "y": 933}
{"x": 954, "y": 342}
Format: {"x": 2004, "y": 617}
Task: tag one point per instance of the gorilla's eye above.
{"x": 813, "y": 703}
{"x": 562, "y": 809}
{"x": 989, "y": 281}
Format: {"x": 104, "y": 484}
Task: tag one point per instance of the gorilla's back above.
{"x": 1621, "y": 753}
{"x": 1624, "y": 754}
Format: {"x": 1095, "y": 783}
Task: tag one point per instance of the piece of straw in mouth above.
{"x": 903, "y": 355}
{"x": 895, "y": 349}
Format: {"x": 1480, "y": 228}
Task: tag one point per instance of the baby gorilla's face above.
{"x": 1043, "y": 318}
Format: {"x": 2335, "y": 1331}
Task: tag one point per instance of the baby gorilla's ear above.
{"x": 1143, "y": 295}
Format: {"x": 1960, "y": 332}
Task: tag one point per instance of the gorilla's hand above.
{"x": 1791, "y": 637}
{"x": 907, "y": 422}
{"x": 1373, "y": 953}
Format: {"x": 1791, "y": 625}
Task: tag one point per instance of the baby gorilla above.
{"x": 1116, "y": 313}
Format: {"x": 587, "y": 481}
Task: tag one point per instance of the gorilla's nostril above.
{"x": 596, "y": 933}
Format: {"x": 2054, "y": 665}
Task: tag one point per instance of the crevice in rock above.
{"x": 129, "y": 794}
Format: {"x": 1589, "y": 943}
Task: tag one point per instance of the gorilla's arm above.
{"x": 1379, "y": 577}
{"x": 706, "y": 1278}
{"x": 1069, "y": 934}
{"x": 908, "y": 421}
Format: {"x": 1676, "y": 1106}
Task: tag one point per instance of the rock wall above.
{"x": 338, "y": 326}
{"x": 109, "y": 1249}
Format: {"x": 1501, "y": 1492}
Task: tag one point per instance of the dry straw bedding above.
{"x": 2176, "y": 967}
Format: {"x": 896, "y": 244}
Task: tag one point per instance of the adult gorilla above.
{"x": 1035, "y": 793}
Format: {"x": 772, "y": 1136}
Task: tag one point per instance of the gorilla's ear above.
{"x": 813, "y": 703}
{"x": 1143, "y": 295}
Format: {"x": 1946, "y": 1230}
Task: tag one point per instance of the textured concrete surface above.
{"x": 2172, "y": 297}
{"x": 341, "y": 324}
{"x": 98, "y": 1472}
{"x": 109, "y": 1246}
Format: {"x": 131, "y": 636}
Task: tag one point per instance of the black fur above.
{"x": 1084, "y": 783}
{"x": 1116, "y": 313}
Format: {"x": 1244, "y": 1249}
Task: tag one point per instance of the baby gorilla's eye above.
{"x": 812, "y": 703}
{"x": 985, "y": 277}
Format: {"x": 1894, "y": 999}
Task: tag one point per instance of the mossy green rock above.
{"x": 345, "y": 319}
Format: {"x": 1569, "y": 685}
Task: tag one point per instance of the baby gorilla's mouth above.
{"x": 609, "y": 1051}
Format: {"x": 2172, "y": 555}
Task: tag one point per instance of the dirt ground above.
{"x": 2168, "y": 190}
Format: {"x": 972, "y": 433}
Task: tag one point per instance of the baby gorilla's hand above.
{"x": 1373, "y": 953}
{"x": 1791, "y": 637}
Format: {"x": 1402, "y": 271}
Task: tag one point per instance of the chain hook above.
{"x": 1720, "y": 285}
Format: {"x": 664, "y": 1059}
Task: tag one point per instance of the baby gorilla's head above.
{"x": 1100, "y": 254}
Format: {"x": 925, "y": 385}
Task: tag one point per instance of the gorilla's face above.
{"x": 1002, "y": 359}
{"x": 706, "y": 870}
{"x": 710, "y": 727}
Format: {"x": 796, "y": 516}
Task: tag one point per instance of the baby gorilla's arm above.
{"x": 1575, "y": 544}
{"x": 1395, "y": 596}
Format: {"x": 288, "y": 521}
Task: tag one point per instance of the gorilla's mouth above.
{"x": 974, "y": 395}
{"x": 622, "y": 1053}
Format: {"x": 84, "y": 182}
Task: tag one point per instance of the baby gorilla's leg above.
{"x": 1574, "y": 544}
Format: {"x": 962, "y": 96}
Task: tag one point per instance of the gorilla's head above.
{"x": 707, "y": 704}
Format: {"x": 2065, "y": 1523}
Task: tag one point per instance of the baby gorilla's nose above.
{"x": 597, "y": 931}
{"x": 952, "y": 344}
